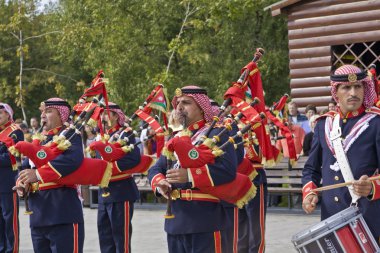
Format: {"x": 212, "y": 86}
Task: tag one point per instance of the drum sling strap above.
{"x": 341, "y": 157}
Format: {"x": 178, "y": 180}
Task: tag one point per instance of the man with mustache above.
{"x": 9, "y": 223}
{"x": 359, "y": 141}
{"x": 57, "y": 221}
{"x": 199, "y": 218}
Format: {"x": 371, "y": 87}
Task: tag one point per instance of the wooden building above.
{"x": 323, "y": 35}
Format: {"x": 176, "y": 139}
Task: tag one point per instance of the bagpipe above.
{"x": 113, "y": 148}
{"x": 91, "y": 171}
{"x": 240, "y": 190}
{"x": 278, "y": 126}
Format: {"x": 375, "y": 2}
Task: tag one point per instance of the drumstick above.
{"x": 334, "y": 186}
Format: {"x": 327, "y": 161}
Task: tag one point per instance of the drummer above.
{"x": 359, "y": 124}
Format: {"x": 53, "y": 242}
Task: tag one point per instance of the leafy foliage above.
{"x": 133, "y": 41}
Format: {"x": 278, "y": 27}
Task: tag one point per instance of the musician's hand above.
{"x": 21, "y": 188}
{"x": 28, "y": 176}
{"x": 177, "y": 176}
{"x": 163, "y": 186}
{"x": 309, "y": 203}
{"x": 363, "y": 186}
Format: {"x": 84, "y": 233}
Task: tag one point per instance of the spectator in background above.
{"x": 310, "y": 110}
{"x": 296, "y": 117}
{"x": 309, "y": 136}
{"x": 89, "y": 136}
{"x": 149, "y": 144}
{"x": 34, "y": 125}
{"x": 298, "y": 137}
{"x": 27, "y": 135}
{"x": 332, "y": 106}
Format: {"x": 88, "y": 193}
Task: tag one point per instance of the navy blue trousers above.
{"x": 58, "y": 238}
{"x": 230, "y": 235}
{"x": 9, "y": 224}
{"x": 252, "y": 219}
{"x": 196, "y": 243}
{"x": 114, "y": 227}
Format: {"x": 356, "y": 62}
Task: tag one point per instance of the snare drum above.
{"x": 344, "y": 232}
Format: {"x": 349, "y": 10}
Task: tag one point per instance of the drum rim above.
{"x": 346, "y": 215}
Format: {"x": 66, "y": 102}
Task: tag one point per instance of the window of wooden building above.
{"x": 362, "y": 55}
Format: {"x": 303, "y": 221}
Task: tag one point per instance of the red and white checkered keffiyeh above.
{"x": 116, "y": 109}
{"x": 8, "y": 109}
{"x": 64, "y": 111}
{"x": 202, "y": 100}
{"x": 369, "y": 88}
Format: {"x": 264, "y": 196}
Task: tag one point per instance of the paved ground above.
{"x": 148, "y": 235}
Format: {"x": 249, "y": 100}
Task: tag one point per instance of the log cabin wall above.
{"x": 314, "y": 28}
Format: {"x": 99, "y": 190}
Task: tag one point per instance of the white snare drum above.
{"x": 344, "y": 232}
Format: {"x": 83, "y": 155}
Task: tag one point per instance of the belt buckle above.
{"x": 189, "y": 195}
{"x": 175, "y": 194}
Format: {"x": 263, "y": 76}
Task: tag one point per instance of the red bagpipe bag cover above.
{"x": 111, "y": 152}
{"x": 90, "y": 172}
{"x": 239, "y": 191}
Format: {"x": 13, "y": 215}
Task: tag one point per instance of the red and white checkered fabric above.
{"x": 64, "y": 111}
{"x": 369, "y": 88}
{"x": 202, "y": 100}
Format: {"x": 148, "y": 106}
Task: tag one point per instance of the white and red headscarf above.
{"x": 200, "y": 97}
{"x": 8, "y": 109}
{"x": 116, "y": 109}
{"x": 350, "y": 74}
{"x": 61, "y": 105}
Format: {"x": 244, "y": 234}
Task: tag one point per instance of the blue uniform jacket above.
{"x": 200, "y": 216}
{"x": 125, "y": 189}
{"x": 7, "y": 175}
{"x": 59, "y": 205}
{"x": 363, "y": 157}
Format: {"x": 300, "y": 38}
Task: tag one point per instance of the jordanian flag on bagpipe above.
{"x": 157, "y": 100}
{"x": 161, "y": 103}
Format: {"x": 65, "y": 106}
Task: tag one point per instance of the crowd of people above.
{"x": 218, "y": 199}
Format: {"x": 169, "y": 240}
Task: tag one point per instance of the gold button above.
{"x": 196, "y": 126}
{"x": 344, "y": 120}
{"x": 336, "y": 178}
{"x": 336, "y": 199}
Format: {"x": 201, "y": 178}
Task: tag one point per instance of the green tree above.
{"x": 138, "y": 43}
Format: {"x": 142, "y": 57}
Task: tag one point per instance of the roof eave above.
{"x": 277, "y": 7}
